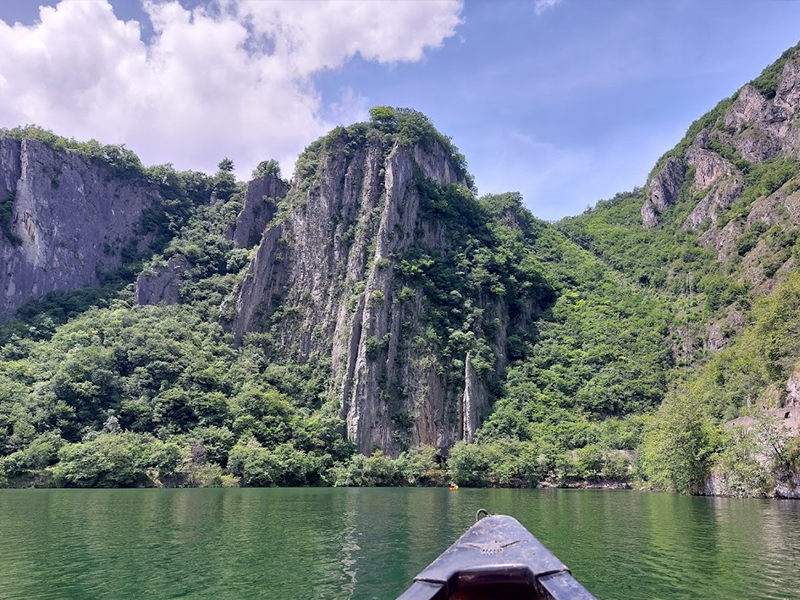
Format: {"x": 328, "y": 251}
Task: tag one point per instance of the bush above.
{"x": 419, "y": 466}
{"x": 285, "y": 465}
{"x": 115, "y": 460}
{"x": 679, "y": 444}
{"x": 40, "y": 453}
{"x": 377, "y": 470}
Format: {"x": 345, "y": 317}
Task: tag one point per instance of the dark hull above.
{"x": 497, "y": 559}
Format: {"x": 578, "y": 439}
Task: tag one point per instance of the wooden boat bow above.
{"x": 497, "y": 559}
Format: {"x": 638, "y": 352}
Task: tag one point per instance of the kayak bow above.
{"x": 496, "y": 559}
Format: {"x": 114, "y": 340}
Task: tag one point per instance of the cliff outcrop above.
{"x": 66, "y": 219}
{"x": 260, "y": 204}
{"x": 735, "y": 177}
{"x": 662, "y": 192}
{"x": 367, "y": 268}
{"x": 760, "y": 124}
{"x": 161, "y": 284}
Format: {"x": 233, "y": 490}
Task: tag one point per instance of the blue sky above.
{"x": 565, "y": 101}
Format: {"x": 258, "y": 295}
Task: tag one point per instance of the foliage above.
{"x": 267, "y": 168}
{"x": 6, "y": 212}
{"x": 224, "y": 185}
{"x": 114, "y": 460}
{"x": 679, "y": 444}
{"x": 610, "y": 382}
{"x": 738, "y": 467}
{"x": 767, "y": 82}
{"x": 122, "y": 161}
{"x": 416, "y": 466}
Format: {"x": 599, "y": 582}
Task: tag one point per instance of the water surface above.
{"x": 369, "y": 543}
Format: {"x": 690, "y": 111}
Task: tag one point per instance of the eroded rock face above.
{"x": 70, "y": 219}
{"x": 662, "y": 191}
{"x": 724, "y": 328}
{"x": 325, "y": 281}
{"x": 162, "y": 286}
{"x": 260, "y": 205}
{"x": 764, "y": 128}
{"x": 793, "y": 388}
{"x": 718, "y": 178}
{"x": 474, "y": 401}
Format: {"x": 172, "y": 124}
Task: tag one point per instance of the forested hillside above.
{"x": 715, "y": 232}
{"x": 374, "y": 321}
{"x": 508, "y": 309}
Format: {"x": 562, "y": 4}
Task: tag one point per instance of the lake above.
{"x": 369, "y": 543}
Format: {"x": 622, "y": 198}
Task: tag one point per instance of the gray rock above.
{"x": 719, "y": 179}
{"x": 721, "y": 330}
{"x": 162, "y": 286}
{"x": 474, "y": 401}
{"x": 332, "y": 260}
{"x": 788, "y": 487}
{"x": 793, "y": 388}
{"x": 71, "y": 217}
{"x": 260, "y": 205}
{"x": 764, "y": 128}
{"x": 662, "y": 191}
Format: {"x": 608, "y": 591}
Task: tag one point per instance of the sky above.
{"x": 565, "y": 101}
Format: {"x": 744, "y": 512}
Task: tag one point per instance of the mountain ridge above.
{"x": 389, "y": 319}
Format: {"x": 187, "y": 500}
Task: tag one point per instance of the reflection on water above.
{"x": 332, "y": 544}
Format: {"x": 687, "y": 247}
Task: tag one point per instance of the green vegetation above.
{"x": 6, "y": 212}
{"x": 608, "y": 374}
{"x": 86, "y": 371}
{"x": 767, "y": 82}
{"x": 267, "y": 168}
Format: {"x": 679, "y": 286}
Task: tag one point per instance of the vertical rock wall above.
{"x": 70, "y": 219}
{"x": 324, "y": 281}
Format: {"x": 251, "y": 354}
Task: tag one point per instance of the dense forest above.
{"x": 637, "y": 332}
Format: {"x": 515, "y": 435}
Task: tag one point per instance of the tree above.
{"x": 679, "y": 444}
{"x": 224, "y": 181}
{"x": 267, "y": 168}
{"x": 384, "y": 117}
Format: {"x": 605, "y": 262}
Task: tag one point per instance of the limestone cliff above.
{"x": 662, "y": 192}
{"x": 734, "y": 177}
{"x": 343, "y": 276}
{"x": 260, "y": 203}
{"x": 67, "y": 219}
{"x": 161, "y": 284}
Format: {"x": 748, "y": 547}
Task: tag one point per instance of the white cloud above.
{"x": 233, "y": 79}
{"x": 540, "y": 6}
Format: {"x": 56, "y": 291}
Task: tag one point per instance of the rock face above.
{"x": 260, "y": 205}
{"x": 793, "y": 388}
{"x": 714, "y": 177}
{"x": 330, "y": 283}
{"x": 733, "y": 197}
{"x": 70, "y": 219}
{"x": 662, "y": 191}
{"x": 474, "y": 401}
{"x": 764, "y": 128}
{"x": 783, "y": 481}
{"x": 162, "y": 286}
{"x": 721, "y": 330}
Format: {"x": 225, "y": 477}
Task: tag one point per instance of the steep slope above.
{"x": 66, "y": 219}
{"x": 385, "y": 308}
{"x": 381, "y": 266}
{"x": 376, "y": 305}
{"x": 715, "y": 229}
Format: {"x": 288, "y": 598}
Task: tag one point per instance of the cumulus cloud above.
{"x": 234, "y": 78}
{"x": 540, "y": 6}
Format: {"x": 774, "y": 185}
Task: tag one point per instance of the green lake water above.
{"x": 369, "y": 543}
